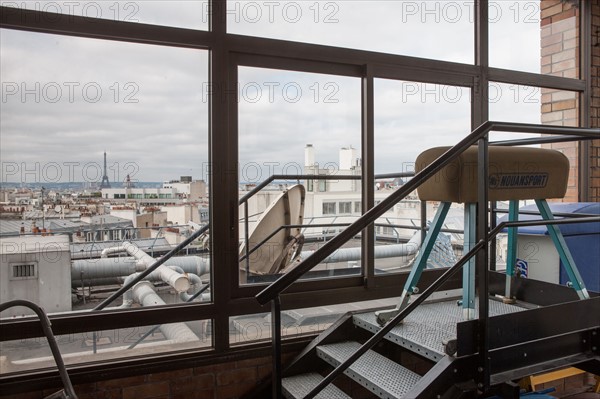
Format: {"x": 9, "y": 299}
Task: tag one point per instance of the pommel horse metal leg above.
{"x": 470, "y": 237}
{"x": 563, "y": 251}
{"x": 384, "y": 316}
{"x": 511, "y": 258}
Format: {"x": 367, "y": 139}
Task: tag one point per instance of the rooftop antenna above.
{"x": 105, "y": 183}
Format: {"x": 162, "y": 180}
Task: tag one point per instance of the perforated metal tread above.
{"x": 380, "y": 375}
{"x": 430, "y": 325}
{"x": 299, "y": 385}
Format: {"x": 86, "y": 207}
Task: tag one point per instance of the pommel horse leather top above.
{"x": 515, "y": 173}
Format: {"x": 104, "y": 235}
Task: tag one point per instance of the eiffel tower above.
{"x": 105, "y": 183}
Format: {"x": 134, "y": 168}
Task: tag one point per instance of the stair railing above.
{"x": 246, "y": 197}
{"x": 68, "y": 391}
{"x": 434, "y": 287}
{"x": 242, "y": 201}
{"x": 479, "y": 136}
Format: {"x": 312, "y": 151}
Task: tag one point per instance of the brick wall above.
{"x": 228, "y": 380}
{"x": 560, "y": 57}
{"x": 594, "y": 190}
{"x": 217, "y": 381}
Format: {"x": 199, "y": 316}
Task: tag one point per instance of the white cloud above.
{"x": 152, "y": 111}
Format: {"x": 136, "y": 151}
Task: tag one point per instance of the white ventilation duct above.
{"x": 89, "y": 269}
{"x": 105, "y": 268}
{"x": 111, "y": 268}
{"x": 380, "y": 251}
{"x": 144, "y": 294}
{"x": 195, "y": 279}
{"x": 128, "y": 296}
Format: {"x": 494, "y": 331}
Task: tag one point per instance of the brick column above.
{"x": 560, "y": 57}
{"x": 594, "y": 190}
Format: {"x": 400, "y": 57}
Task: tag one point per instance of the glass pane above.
{"x": 178, "y": 13}
{"x": 34, "y": 353}
{"x": 411, "y": 117}
{"x": 560, "y": 107}
{"x": 297, "y": 322}
{"x": 444, "y": 29}
{"x": 535, "y": 36}
{"x": 514, "y": 103}
{"x": 104, "y": 170}
{"x": 531, "y": 104}
{"x": 293, "y": 123}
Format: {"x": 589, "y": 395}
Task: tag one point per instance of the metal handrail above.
{"x": 286, "y": 226}
{"x": 526, "y": 223}
{"x": 153, "y": 267}
{"x": 47, "y": 328}
{"x": 431, "y": 289}
{"x": 272, "y": 178}
{"x": 295, "y": 226}
{"x": 278, "y": 286}
{"x": 393, "y": 322}
{"x": 153, "y": 329}
{"x": 537, "y": 213}
{"x": 479, "y": 136}
{"x": 537, "y": 140}
{"x": 204, "y": 228}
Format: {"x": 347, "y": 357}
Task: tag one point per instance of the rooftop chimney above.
{"x": 309, "y": 155}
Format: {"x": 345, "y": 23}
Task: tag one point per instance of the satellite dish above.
{"x": 273, "y": 255}
{"x": 57, "y": 208}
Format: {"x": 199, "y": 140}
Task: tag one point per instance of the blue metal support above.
{"x": 470, "y": 238}
{"x": 420, "y": 263}
{"x": 563, "y": 251}
{"x": 511, "y": 256}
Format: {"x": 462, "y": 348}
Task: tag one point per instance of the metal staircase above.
{"x": 425, "y": 333}
{"x": 67, "y": 392}
{"x": 481, "y": 357}
{"x": 426, "y": 357}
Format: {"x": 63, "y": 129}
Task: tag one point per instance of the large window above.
{"x": 194, "y": 105}
{"x": 290, "y": 122}
{"x": 345, "y": 207}
{"x": 293, "y": 123}
{"x": 444, "y": 28}
{"x": 329, "y": 208}
{"x": 82, "y": 118}
{"x": 185, "y": 14}
{"x": 533, "y": 36}
{"x": 411, "y": 117}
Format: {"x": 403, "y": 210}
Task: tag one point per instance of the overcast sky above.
{"x": 67, "y": 100}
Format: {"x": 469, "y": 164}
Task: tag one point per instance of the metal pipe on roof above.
{"x": 112, "y": 250}
{"x": 195, "y": 279}
{"x": 176, "y": 280}
{"x": 113, "y": 268}
{"x": 128, "y": 297}
{"x": 380, "y": 251}
{"x": 194, "y": 264}
{"x": 144, "y": 294}
{"x": 92, "y": 269}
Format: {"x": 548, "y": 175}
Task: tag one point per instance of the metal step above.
{"x": 298, "y": 386}
{"x": 380, "y": 375}
{"x": 425, "y": 330}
